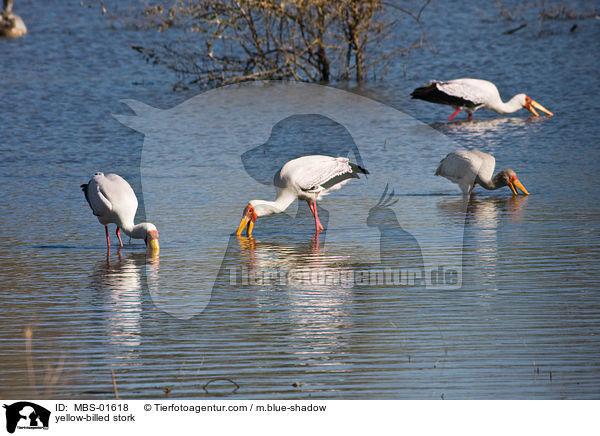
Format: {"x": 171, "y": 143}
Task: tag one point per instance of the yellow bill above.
{"x": 242, "y": 225}
{"x": 154, "y": 245}
{"x": 152, "y": 241}
{"x": 535, "y": 105}
{"x": 519, "y": 185}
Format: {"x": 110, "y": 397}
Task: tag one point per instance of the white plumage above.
{"x": 462, "y": 167}
{"x": 307, "y": 178}
{"x": 113, "y": 202}
{"x": 307, "y": 175}
{"x": 468, "y": 168}
{"x": 475, "y": 90}
{"x": 472, "y": 94}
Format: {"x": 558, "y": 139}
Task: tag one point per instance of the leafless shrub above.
{"x": 221, "y": 42}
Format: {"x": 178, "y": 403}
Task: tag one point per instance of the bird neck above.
{"x": 136, "y": 232}
{"x": 265, "y": 207}
{"x": 489, "y": 184}
{"x": 512, "y": 105}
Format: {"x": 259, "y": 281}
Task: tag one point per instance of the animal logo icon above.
{"x": 25, "y": 414}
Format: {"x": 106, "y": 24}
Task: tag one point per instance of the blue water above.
{"x": 523, "y": 324}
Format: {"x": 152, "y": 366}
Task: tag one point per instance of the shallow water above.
{"x": 523, "y": 323}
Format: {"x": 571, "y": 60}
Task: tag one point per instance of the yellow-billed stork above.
{"x": 468, "y": 168}
{"x": 307, "y": 178}
{"x": 113, "y": 201}
{"x": 472, "y": 94}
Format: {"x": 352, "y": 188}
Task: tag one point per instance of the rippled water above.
{"x": 523, "y": 324}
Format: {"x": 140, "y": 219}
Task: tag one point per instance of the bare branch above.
{"x": 231, "y": 41}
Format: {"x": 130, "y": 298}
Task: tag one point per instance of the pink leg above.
{"x": 107, "y": 238}
{"x": 313, "y": 208}
{"x": 454, "y": 114}
{"x": 315, "y": 240}
{"x": 119, "y": 236}
{"x": 470, "y": 117}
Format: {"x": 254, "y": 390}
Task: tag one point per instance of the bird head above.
{"x": 509, "y": 178}
{"x": 248, "y": 219}
{"x": 151, "y": 239}
{"x": 531, "y": 105}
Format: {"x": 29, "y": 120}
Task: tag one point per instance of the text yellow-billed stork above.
{"x": 113, "y": 201}
{"x": 468, "y": 168}
{"x": 307, "y": 178}
{"x": 472, "y": 94}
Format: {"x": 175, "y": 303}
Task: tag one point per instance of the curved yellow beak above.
{"x": 519, "y": 185}
{"x": 535, "y": 105}
{"x": 243, "y": 223}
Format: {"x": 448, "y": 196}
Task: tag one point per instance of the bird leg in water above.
{"x": 315, "y": 242}
{"x": 119, "y": 236}
{"x": 313, "y": 208}
{"x": 454, "y": 114}
{"x": 470, "y": 116}
{"x": 107, "y": 238}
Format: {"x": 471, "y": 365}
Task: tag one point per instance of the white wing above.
{"x": 475, "y": 90}
{"x": 111, "y": 198}
{"x": 101, "y": 206}
{"x": 312, "y": 173}
{"x": 463, "y": 166}
{"x": 486, "y": 165}
{"x": 122, "y": 197}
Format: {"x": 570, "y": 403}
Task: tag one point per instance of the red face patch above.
{"x": 250, "y": 213}
{"x": 527, "y": 101}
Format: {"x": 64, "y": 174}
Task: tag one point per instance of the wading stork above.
{"x": 468, "y": 168}
{"x": 472, "y": 94}
{"x": 307, "y": 178}
{"x": 113, "y": 201}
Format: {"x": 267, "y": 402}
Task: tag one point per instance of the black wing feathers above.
{"x": 432, "y": 94}
{"x": 84, "y": 188}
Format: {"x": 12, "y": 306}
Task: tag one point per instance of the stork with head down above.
{"x": 307, "y": 178}
{"x": 113, "y": 201}
{"x": 468, "y": 168}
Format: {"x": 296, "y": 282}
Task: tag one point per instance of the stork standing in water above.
{"x": 307, "y": 178}
{"x": 113, "y": 201}
{"x": 472, "y": 94}
{"x": 468, "y": 168}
